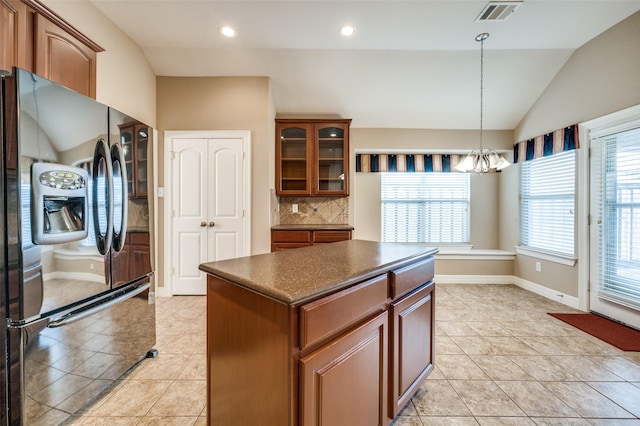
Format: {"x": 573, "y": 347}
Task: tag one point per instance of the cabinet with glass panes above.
{"x": 134, "y": 138}
{"x": 312, "y": 157}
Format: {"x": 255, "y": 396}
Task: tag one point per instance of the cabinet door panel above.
{"x": 343, "y": 383}
{"x": 293, "y": 159}
{"x": 412, "y": 339}
{"x": 13, "y": 35}
{"x": 331, "y": 164}
{"x": 62, "y": 58}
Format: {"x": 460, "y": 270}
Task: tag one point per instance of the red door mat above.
{"x": 618, "y": 335}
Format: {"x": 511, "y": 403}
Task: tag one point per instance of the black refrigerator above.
{"x": 77, "y": 301}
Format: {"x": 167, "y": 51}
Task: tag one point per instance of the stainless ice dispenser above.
{"x": 59, "y": 204}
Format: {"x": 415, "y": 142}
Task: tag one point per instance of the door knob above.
{"x": 211, "y": 224}
{"x": 203, "y": 224}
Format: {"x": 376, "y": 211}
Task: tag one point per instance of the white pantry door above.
{"x": 207, "y": 194}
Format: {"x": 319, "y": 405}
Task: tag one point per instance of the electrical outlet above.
{"x": 294, "y": 208}
{"x": 538, "y": 267}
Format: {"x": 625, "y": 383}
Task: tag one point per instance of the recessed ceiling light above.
{"x": 227, "y": 31}
{"x": 347, "y": 31}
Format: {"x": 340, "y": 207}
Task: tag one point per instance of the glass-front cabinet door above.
{"x": 142, "y": 144}
{"x": 312, "y": 157}
{"x": 331, "y": 160}
{"x": 134, "y": 138}
{"x": 126, "y": 141}
{"x": 293, "y": 155}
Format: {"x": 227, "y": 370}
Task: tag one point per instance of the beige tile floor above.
{"x": 500, "y": 360}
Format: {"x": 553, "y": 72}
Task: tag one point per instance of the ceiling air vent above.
{"x": 498, "y": 10}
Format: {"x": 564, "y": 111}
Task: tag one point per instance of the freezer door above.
{"x": 67, "y": 362}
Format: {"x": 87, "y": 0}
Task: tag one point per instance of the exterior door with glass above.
{"x": 614, "y": 277}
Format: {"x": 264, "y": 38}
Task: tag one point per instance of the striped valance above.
{"x": 376, "y": 163}
{"x": 543, "y": 146}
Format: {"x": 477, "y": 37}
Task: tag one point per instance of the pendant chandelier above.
{"x": 482, "y": 160}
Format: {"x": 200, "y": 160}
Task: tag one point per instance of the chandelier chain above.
{"x": 481, "y": 87}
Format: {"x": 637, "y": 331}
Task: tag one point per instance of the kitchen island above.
{"x": 335, "y": 334}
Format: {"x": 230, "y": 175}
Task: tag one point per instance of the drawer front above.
{"x": 141, "y": 238}
{"x": 330, "y": 236}
{"x": 291, "y": 236}
{"x": 287, "y": 246}
{"x": 405, "y": 279}
{"x": 332, "y": 314}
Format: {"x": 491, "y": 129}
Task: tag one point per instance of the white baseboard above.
{"x": 474, "y": 279}
{"x": 547, "y": 292}
{"x": 80, "y": 276}
{"x": 163, "y": 292}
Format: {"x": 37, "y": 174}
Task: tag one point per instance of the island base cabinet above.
{"x": 343, "y": 382}
{"x": 412, "y": 340}
{"x": 250, "y": 372}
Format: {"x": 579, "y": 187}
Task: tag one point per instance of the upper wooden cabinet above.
{"x": 134, "y": 138}
{"x": 14, "y": 28}
{"x": 36, "y": 39}
{"x": 312, "y": 157}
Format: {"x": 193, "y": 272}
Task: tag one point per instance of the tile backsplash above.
{"x": 313, "y": 210}
{"x": 138, "y": 213}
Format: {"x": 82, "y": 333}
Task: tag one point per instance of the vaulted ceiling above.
{"x": 410, "y": 64}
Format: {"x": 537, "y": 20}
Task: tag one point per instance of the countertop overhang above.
{"x": 297, "y": 276}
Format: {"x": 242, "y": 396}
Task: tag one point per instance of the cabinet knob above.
{"x": 211, "y": 224}
{"x": 203, "y": 224}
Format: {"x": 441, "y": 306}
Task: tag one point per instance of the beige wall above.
{"x": 473, "y": 267}
{"x": 601, "y": 77}
{"x": 125, "y": 80}
{"x": 485, "y": 199}
{"x": 224, "y": 103}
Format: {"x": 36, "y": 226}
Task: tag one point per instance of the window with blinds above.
{"x": 547, "y": 203}
{"x": 615, "y": 180}
{"x": 425, "y": 207}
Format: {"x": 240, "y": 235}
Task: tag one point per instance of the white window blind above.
{"x": 616, "y": 210}
{"x": 547, "y": 203}
{"x": 425, "y": 207}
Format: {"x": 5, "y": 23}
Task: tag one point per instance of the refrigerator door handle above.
{"x": 84, "y": 312}
{"x": 102, "y": 156}
{"x": 117, "y": 157}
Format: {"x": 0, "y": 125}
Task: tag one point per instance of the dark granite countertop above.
{"x": 297, "y": 276}
{"x": 305, "y": 227}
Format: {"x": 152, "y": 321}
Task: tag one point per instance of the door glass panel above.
{"x": 331, "y": 159}
{"x": 617, "y": 182}
{"x": 141, "y": 161}
{"x": 126, "y": 140}
{"x": 293, "y": 151}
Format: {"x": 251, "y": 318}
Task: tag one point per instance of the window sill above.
{"x": 539, "y": 254}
